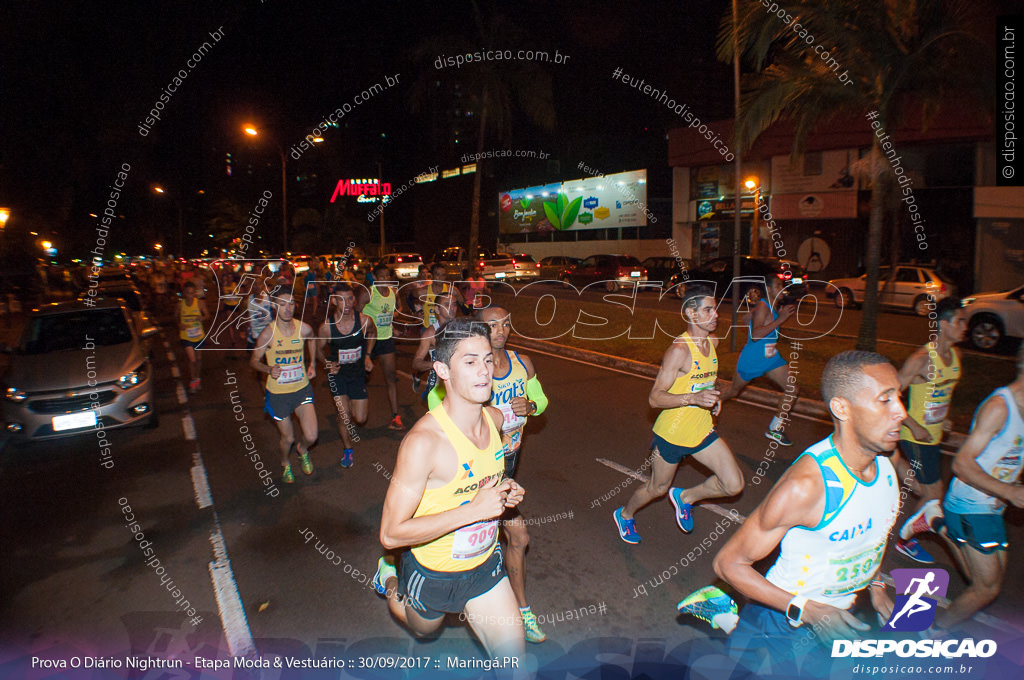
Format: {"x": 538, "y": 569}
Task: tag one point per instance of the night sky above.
{"x": 78, "y": 78}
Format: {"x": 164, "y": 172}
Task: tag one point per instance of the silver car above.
{"x": 80, "y": 366}
{"x": 993, "y": 317}
{"x": 909, "y": 287}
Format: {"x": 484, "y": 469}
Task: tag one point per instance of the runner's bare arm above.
{"x": 307, "y": 332}
{"x": 764, "y": 323}
{"x": 516, "y": 492}
{"x": 323, "y": 336}
{"x": 416, "y": 461}
{"x": 256, "y": 360}
{"x": 797, "y": 499}
{"x": 370, "y": 333}
{"x": 421, "y": 361}
{"x": 990, "y": 420}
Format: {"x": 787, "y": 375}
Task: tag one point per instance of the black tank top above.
{"x": 347, "y": 349}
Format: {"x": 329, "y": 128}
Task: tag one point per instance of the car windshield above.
{"x": 72, "y": 330}
{"x": 409, "y": 258}
{"x": 130, "y": 297}
{"x": 629, "y": 261}
{"x": 522, "y": 257}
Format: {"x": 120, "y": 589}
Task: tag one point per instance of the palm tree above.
{"x": 493, "y": 89}
{"x": 897, "y": 56}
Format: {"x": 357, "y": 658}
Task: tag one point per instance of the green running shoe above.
{"x": 288, "y": 477}
{"x": 707, "y": 603}
{"x": 533, "y": 632}
{"x": 307, "y": 465}
{"x": 385, "y": 570}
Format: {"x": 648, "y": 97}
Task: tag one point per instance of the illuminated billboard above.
{"x": 599, "y": 202}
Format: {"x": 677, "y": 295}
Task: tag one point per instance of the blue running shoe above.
{"x": 706, "y": 604}
{"x": 684, "y": 511}
{"x": 346, "y": 458}
{"x": 385, "y": 570}
{"x": 914, "y": 551}
{"x": 627, "y": 528}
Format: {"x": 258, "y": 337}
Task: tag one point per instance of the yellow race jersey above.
{"x": 288, "y": 353}
{"x": 689, "y": 425}
{"x": 929, "y": 401}
{"x": 190, "y": 321}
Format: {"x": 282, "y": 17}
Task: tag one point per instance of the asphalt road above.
{"x": 258, "y": 568}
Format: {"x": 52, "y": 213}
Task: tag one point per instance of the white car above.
{"x": 991, "y": 317}
{"x": 910, "y": 288}
{"x": 405, "y": 265}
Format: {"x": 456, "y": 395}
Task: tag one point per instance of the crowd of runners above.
{"x": 454, "y": 492}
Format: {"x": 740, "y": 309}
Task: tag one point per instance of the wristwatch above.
{"x": 795, "y": 610}
{"x": 533, "y": 407}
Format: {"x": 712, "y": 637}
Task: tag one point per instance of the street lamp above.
{"x": 253, "y": 132}
{"x": 753, "y": 184}
{"x": 181, "y": 220}
{"x": 5, "y": 214}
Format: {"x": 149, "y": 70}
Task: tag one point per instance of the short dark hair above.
{"x": 843, "y": 372}
{"x": 479, "y": 313}
{"x": 946, "y": 308}
{"x": 694, "y": 294}
{"x": 380, "y": 266}
{"x": 343, "y": 286}
{"x": 453, "y": 333}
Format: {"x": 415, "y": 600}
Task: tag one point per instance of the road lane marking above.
{"x": 175, "y": 372}
{"x": 189, "y": 426}
{"x": 980, "y": 617}
{"x": 180, "y": 389}
{"x": 200, "y": 483}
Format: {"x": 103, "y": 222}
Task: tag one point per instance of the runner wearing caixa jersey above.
{"x": 284, "y": 343}
{"x": 685, "y": 389}
{"x": 830, "y": 515}
{"x": 518, "y": 393}
{"x": 444, "y": 501}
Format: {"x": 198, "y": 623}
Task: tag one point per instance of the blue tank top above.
{"x": 768, "y": 340}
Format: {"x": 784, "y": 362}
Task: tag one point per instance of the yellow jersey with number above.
{"x": 469, "y": 546}
{"x": 288, "y": 352}
{"x": 190, "y": 320}
{"x": 929, "y": 401}
{"x": 689, "y": 425}
{"x": 381, "y": 309}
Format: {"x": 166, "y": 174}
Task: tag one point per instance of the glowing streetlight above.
{"x": 253, "y": 132}
{"x": 5, "y": 214}
{"x": 754, "y": 184}
{"x": 158, "y": 189}
{"x": 158, "y": 247}
{"x": 46, "y": 245}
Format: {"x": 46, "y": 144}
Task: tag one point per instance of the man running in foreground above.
{"x": 685, "y": 388}
{"x": 284, "y": 343}
{"x": 831, "y": 513}
{"x": 518, "y": 393}
{"x": 931, "y": 373}
{"x": 444, "y": 501}
{"x": 761, "y": 357}
{"x": 986, "y": 470}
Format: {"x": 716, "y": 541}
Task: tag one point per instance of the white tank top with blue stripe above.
{"x": 830, "y": 562}
{"x": 1001, "y": 459}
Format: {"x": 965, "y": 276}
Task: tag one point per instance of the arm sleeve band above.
{"x": 436, "y": 395}
{"x": 535, "y": 393}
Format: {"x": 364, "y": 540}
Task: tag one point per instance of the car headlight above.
{"x": 15, "y": 395}
{"x": 133, "y": 378}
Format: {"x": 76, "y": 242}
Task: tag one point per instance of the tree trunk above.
{"x": 866, "y": 338}
{"x": 474, "y": 222}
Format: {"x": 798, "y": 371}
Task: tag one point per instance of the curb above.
{"x": 812, "y": 408}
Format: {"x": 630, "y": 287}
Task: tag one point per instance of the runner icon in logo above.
{"x": 914, "y": 610}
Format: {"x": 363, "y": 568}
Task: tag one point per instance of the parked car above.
{"x": 494, "y": 266}
{"x": 909, "y": 287}
{"x": 133, "y": 300}
{"x": 551, "y": 267}
{"x": 406, "y": 266}
{"x": 664, "y": 268}
{"x": 754, "y": 273}
{"x": 614, "y": 270}
{"x": 993, "y": 317}
{"x": 77, "y": 364}
{"x": 526, "y": 267}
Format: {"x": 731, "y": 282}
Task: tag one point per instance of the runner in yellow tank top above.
{"x": 685, "y": 389}
{"x": 284, "y": 343}
{"x": 191, "y": 315}
{"x": 444, "y": 501}
{"x": 931, "y": 374}
{"x": 379, "y": 304}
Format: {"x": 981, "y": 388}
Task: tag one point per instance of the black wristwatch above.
{"x": 533, "y": 404}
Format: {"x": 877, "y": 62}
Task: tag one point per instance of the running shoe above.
{"x": 288, "y": 477}
{"x": 533, "y": 632}
{"x": 914, "y": 551}
{"x": 385, "y": 570}
{"x": 346, "y": 458}
{"x": 779, "y": 436}
{"x": 193, "y": 387}
{"x": 307, "y": 464}
{"x": 707, "y": 604}
{"x": 627, "y": 528}
{"x": 396, "y": 423}
{"x": 684, "y": 511}
{"x": 922, "y": 521}
{"x": 416, "y": 380}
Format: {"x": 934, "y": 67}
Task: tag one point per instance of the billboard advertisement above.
{"x": 599, "y": 202}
